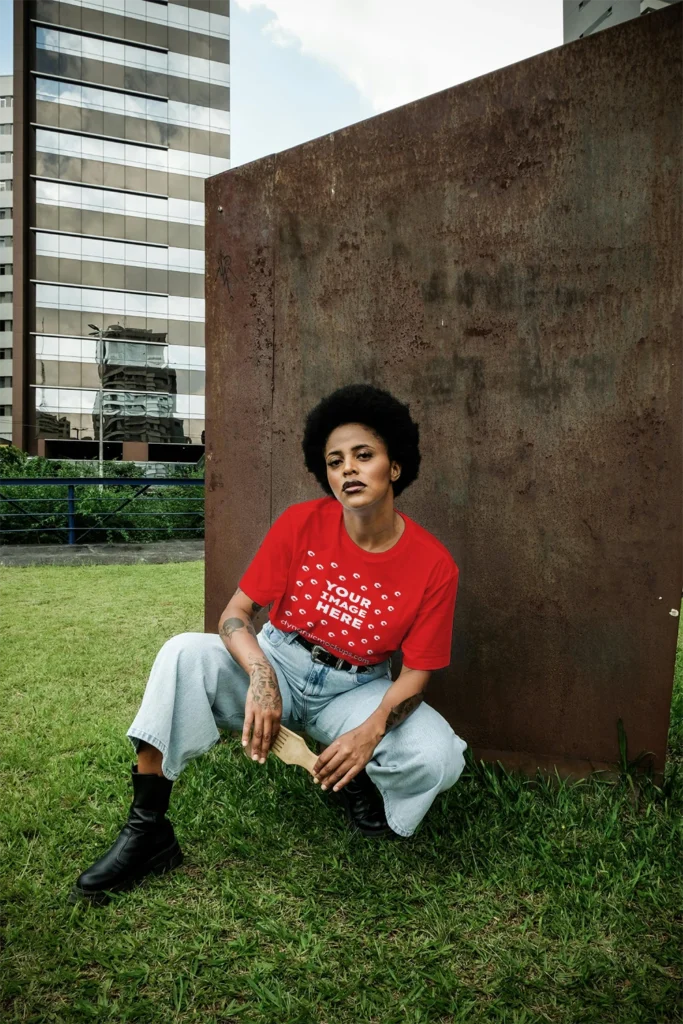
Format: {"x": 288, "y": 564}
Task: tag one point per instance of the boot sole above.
{"x": 164, "y": 862}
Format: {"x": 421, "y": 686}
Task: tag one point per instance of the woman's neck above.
{"x": 375, "y": 529}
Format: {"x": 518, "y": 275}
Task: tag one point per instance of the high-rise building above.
{"x": 121, "y": 111}
{"x": 6, "y": 256}
{"x": 583, "y": 17}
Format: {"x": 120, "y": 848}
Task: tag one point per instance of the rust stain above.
{"x": 506, "y": 257}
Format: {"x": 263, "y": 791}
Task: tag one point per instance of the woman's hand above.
{"x": 263, "y": 708}
{"x": 345, "y": 757}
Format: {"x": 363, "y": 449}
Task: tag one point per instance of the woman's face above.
{"x": 359, "y": 470}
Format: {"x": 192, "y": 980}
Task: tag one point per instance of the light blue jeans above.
{"x": 196, "y": 686}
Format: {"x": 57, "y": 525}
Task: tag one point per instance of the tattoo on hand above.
{"x": 265, "y": 690}
{"x": 230, "y": 626}
{"x": 402, "y": 710}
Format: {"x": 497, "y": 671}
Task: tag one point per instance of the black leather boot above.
{"x": 145, "y": 845}
{"x": 364, "y": 807}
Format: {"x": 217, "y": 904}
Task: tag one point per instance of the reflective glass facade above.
{"x": 6, "y": 256}
{"x": 129, "y": 113}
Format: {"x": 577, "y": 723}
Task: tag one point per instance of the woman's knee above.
{"x": 189, "y": 661}
{"x": 441, "y": 761}
{"x": 183, "y": 643}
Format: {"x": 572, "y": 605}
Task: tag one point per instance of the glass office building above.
{"x": 584, "y": 17}
{"x": 124, "y": 112}
{"x": 6, "y": 256}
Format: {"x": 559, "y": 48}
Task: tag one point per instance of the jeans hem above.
{"x": 391, "y": 821}
{"x": 172, "y": 776}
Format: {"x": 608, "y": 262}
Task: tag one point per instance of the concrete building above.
{"x": 121, "y": 111}
{"x": 6, "y": 256}
{"x": 583, "y": 17}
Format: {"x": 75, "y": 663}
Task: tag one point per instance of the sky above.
{"x": 303, "y": 68}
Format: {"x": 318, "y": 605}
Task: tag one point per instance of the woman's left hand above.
{"x": 345, "y": 757}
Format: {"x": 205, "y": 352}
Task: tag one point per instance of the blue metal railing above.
{"x": 76, "y": 525}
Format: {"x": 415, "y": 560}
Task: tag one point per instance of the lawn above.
{"x": 514, "y": 903}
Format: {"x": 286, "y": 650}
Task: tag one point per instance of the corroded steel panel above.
{"x": 506, "y": 257}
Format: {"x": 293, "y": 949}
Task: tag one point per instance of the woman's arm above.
{"x": 400, "y": 700}
{"x": 263, "y": 707}
{"x": 350, "y": 752}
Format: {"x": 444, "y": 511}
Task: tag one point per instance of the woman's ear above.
{"x": 395, "y": 471}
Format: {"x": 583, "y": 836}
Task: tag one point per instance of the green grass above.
{"x": 514, "y": 903}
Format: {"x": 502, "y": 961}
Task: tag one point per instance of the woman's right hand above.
{"x": 263, "y": 710}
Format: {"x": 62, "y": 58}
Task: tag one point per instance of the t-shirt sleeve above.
{"x": 266, "y": 577}
{"x": 427, "y": 644}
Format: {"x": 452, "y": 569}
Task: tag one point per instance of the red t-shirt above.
{"x": 358, "y": 605}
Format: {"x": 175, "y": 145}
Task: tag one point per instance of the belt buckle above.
{"x": 316, "y": 652}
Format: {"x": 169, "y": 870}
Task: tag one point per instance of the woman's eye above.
{"x": 365, "y": 455}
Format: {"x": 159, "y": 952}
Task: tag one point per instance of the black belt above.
{"x": 319, "y": 653}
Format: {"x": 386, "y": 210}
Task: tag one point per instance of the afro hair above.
{"x": 378, "y": 410}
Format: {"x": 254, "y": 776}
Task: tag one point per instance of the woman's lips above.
{"x": 352, "y": 488}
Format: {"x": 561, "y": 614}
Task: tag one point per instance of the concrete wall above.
{"x": 506, "y": 256}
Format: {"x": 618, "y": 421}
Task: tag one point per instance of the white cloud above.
{"x": 394, "y": 51}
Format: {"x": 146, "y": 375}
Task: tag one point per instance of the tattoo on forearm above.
{"x": 254, "y": 607}
{"x": 265, "y": 690}
{"x": 230, "y": 626}
{"x": 402, "y": 710}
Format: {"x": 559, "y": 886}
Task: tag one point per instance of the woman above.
{"x": 350, "y": 580}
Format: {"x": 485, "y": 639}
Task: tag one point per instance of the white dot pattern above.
{"x": 346, "y": 601}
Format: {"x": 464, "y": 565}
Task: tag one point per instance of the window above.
{"x": 109, "y": 201}
{"x": 6, "y": 240}
{"x": 6, "y": 296}
{"x": 6, "y": 213}
{"x": 6, "y": 157}
{"x": 5, "y": 382}
{"x": 129, "y": 154}
{"x": 6, "y": 186}
{"x": 92, "y": 98}
{"x": 6, "y": 129}
{"x": 6, "y": 268}
{"x": 5, "y": 325}
{"x": 6, "y": 101}
{"x": 5, "y": 353}
{"x": 5, "y": 410}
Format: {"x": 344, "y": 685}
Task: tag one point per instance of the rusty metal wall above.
{"x": 506, "y": 256}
